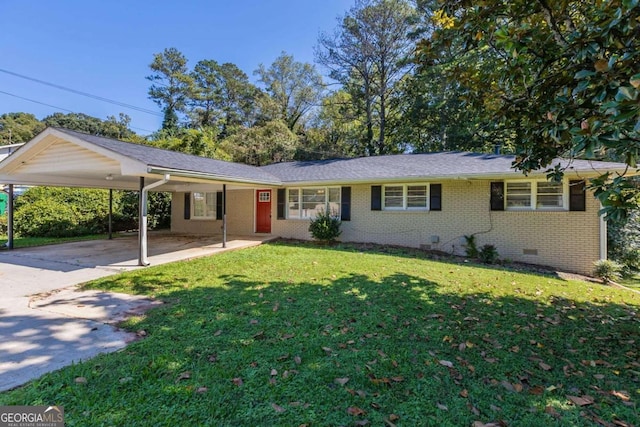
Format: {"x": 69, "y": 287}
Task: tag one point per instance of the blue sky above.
{"x": 105, "y": 47}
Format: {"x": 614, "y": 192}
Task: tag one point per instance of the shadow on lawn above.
{"x": 278, "y": 353}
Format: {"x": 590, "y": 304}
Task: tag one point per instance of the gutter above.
{"x": 211, "y": 176}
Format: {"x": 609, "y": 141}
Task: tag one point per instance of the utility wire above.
{"x": 59, "y": 108}
{"x": 88, "y": 95}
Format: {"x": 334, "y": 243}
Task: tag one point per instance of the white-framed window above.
{"x": 307, "y": 202}
{"x": 204, "y": 205}
{"x": 264, "y": 196}
{"x": 405, "y": 197}
{"x": 536, "y": 195}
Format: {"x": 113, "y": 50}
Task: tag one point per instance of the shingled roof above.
{"x": 429, "y": 166}
{"x": 166, "y": 159}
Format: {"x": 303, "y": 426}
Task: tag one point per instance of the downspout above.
{"x": 603, "y": 236}
{"x": 144, "y": 191}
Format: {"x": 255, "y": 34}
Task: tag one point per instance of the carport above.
{"x": 63, "y": 158}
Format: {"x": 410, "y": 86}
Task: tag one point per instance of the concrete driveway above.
{"x": 47, "y": 323}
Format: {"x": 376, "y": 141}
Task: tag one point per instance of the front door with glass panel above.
{"x": 263, "y": 211}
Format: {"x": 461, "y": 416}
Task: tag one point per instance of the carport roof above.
{"x": 68, "y": 158}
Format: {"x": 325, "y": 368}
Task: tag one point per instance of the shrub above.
{"x": 488, "y": 254}
{"x": 624, "y": 243}
{"x": 470, "y": 247}
{"x": 607, "y": 270}
{"x": 325, "y": 227}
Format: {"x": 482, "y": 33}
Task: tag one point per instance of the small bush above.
{"x": 607, "y": 270}
{"x": 325, "y": 227}
{"x": 470, "y": 246}
{"x": 488, "y": 254}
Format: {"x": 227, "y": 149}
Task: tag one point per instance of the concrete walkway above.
{"x": 46, "y": 323}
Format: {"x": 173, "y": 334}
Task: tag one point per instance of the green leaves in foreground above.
{"x": 291, "y": 335}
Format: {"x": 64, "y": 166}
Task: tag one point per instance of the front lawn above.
{"x": 288, "y": 335}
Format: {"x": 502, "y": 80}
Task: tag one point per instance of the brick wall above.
{"x": 240, "y": 215}
{"x": 561, "y": 239}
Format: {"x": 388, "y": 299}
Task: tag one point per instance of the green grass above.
{"x": 287, "y": 335}
{"x": 27, "y": 242}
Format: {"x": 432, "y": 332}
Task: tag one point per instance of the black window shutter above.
{"x": 345, "y": 207}
{"x": 577, "y": 199}
{"x": 219, "y": 209}
{"x": 435, "y": 197}
{"x": 376, "y": 197}
{"x": 497, "y": 196}
{"x": 282, "y": 202}
{"x": 187, "y": 205}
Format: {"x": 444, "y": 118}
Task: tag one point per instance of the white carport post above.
{"x": 10, "y": 217}
{"x": 142, "y": 227}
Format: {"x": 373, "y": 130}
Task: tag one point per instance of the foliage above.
{"x": 112, "y": 127}
{"x": 488, "y": 254}
{"x": 325, "y": 227}
{"x": 295, "y": 87}
{"x": 221, "y": 96}
{"x": 292, "y": 334}
{"x": 61, "y": 212}
{"x": 470, "y": 246}
{"x": 200, "y": 142}
{"x": 18, "y": 127}
{"x": 607, "y": 270}
{"x": 368, "y": 54}
{"x": 171, "y": 85}
{"x": 623, "y": 243}
{"x": 158, "y": 213}
{"x": 262, "y": 144}
{"x": 562, "y": 76}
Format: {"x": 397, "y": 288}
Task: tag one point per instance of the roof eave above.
{"x": 211, "y": 176}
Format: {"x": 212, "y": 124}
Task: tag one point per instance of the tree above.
{"x": 221, "y": 96}
{"x": 368, "y": 54}
{"x": 295, "y": 87}
{"x": 262, "y": 144}
{"x": 171, "y": 85}
{"x": 111, "y": 128}
{"x": 19, "y": 127}
{"x": 562, "y": 76}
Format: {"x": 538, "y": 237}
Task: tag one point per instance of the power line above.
{"x": 88, "y": 95}
{"x": 59, "y": 108}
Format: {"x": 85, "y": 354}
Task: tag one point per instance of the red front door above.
{"x": 263, "y": 211}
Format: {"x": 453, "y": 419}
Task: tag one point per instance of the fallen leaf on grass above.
{"x": 622, "y": 394}
{"x": 297, "y": 359}
{"x": 464, "y": 393}
{"x": 288, "y": 336}
{"x": 341, "y": 381}
{"x": 442, "y": 407}
{"x": 552, "y": 411}
{"x": 238, "y": 381}
{"x": 213, "y": 358}
{"x": 274, "y": 372}
{"x": 277, "y": 408}
{"x": 202, "y": 390}
{"x": 80, "y": 380}
{"x": 581, "y": 401}
{"x": 327, "y": 350}
{"x": 355, "y": 411}
{"x": 184, "y": 376}
{"x": 446, "y": 363}
{"x": 544, "y": 366}
{"x": 217, "y": 333}
{"x": 362, "y": 422}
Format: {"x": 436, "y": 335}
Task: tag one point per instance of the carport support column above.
{"x": 142, "y": 226}
{"x": 10, "y": 218}
{"x": 110, "y": 213}
{"x": 144, "y": 191}
{"x": 224, "y": 215}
